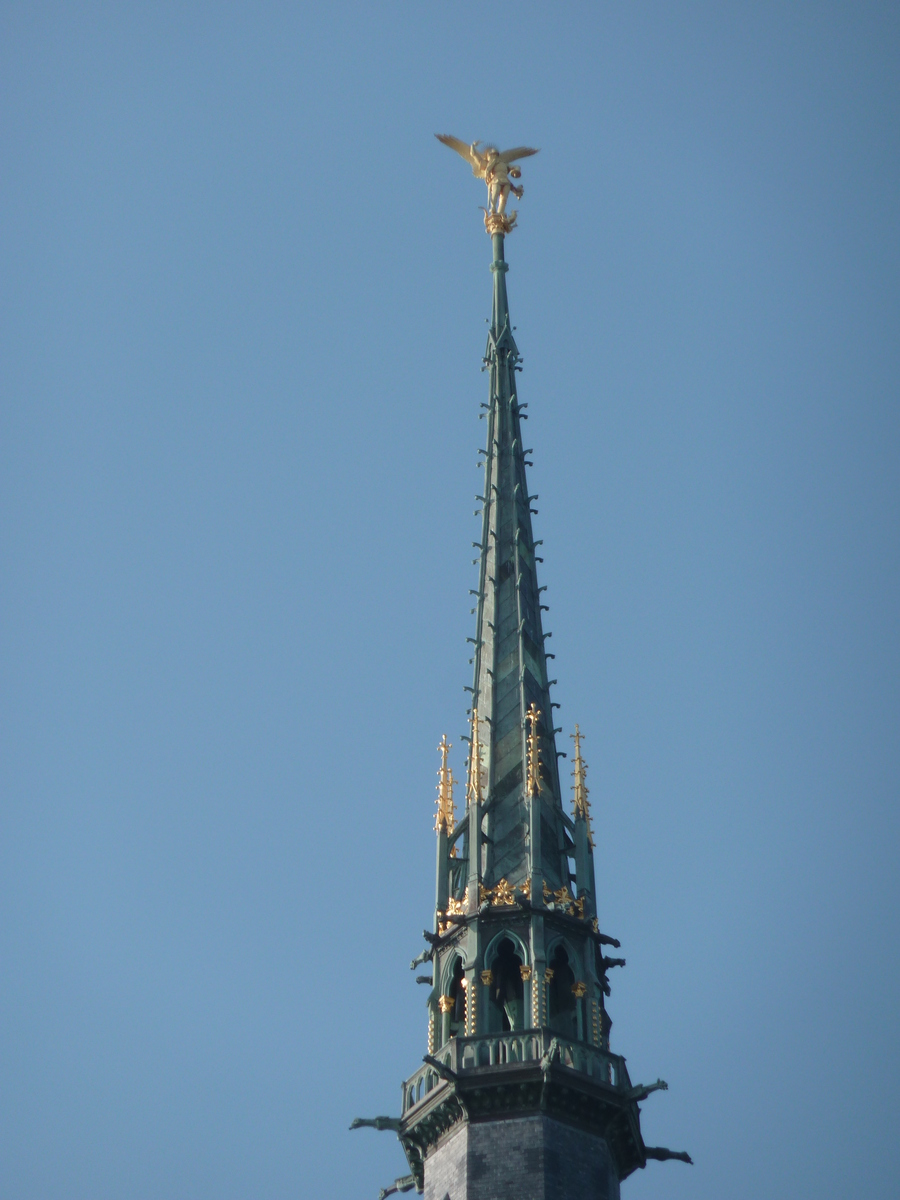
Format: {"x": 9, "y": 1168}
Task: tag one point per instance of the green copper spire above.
{"x": 524, "y": 826}
{"x": 519, "y": 1067}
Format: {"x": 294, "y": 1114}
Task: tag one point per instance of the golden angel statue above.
{"x": 494, "y": 167}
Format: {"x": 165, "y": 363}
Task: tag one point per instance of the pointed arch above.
{"x": 575, "y": 955}
{"x": 491, "y": 952}
{"x": 564, "y": 1006}
{"x": 506, "y": 959}
{"x": 448, "y": 969}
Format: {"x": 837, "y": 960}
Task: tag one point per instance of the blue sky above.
{"x": 243, "y": 303}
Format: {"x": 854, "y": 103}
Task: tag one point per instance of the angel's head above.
{"x": 491, "y": 152}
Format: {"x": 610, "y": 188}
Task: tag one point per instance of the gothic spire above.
{"x": 517, "y": 1022}
{"x": 525, "y": 828}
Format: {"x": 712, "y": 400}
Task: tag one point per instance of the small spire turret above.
{"x": 445, "y": 817}
{"x": 475, "y": 780}
{"x": 581, "y": 806}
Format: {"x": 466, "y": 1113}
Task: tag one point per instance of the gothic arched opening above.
{"x": 457, "y": 993}
{"x": 507, "y": 989}
{"x": 561, "y": 1000}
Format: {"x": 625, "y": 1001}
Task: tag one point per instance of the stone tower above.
{"x": 519, "y": 1096}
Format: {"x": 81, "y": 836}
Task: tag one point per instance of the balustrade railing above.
{"x": 468, "y": 1054}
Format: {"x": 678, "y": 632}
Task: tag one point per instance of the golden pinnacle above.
{"x": 581, "y": 806}
{"x": 475, "y": 782}
{"x": 534, "y": 785}
{"x": 445, "y": 817}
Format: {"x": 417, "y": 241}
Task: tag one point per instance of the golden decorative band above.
{"x": 504, "y": 894}
{"x": 499, "y": 222}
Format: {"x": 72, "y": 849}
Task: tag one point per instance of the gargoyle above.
{"x": 424, "y": 957}
{"x": 552, "y": 1053}
{"x": 392, "y": 1123}
{"x": 444, "y": 1072}
{"x": 606, "y": 963}
{"x": 661, "y": 1154}
{"x": 642, "y": 1090}
{"x": 406, "y": 1184}
{"x": 433, "y": 939}
{"x": 425, "y": 979}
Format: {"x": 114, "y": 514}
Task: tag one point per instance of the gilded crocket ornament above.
{"x": 493, "y": 166}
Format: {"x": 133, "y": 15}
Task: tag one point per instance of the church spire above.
{"x": 519, "y": 1066}
{"x": 526, "y": 836}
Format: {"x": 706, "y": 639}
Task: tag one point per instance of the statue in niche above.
{"x": 507, "y": 988}
{"x": 562, "y": 1002}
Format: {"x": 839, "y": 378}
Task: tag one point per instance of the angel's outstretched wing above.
{"x": 509, "y": 156}
{"x": 475, "y": 161}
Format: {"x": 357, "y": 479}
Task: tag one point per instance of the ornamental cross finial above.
{"x": 533, "y": 785}
{"x": 493, "y": 166}
{"x": 445, "y": 817}
{"x": 581, "y": 806}
{"x": 475, "y": 783}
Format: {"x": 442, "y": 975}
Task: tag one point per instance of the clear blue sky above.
{"x": 243, "y": 302}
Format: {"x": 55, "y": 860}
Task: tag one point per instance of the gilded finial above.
{"x": 582, "y": 808}
{"x": 475, "y": 782}
{"x": 445, "y": 817}
{"x": 496, "y": 168}
{"x": 533, "y": 786}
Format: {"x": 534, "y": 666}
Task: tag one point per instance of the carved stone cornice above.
{"x": 524, "y": 1089}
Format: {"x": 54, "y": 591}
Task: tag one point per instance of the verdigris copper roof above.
{"x": 525, "y": 835}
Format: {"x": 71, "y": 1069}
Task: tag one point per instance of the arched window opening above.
{"x": 459, "y": 866}
{"x": 457, "y": 993}
{"x": 562, "y": 1002}
{"x": 507, "y": 989}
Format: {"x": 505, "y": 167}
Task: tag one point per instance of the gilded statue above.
{"x": 495, "y": 168}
